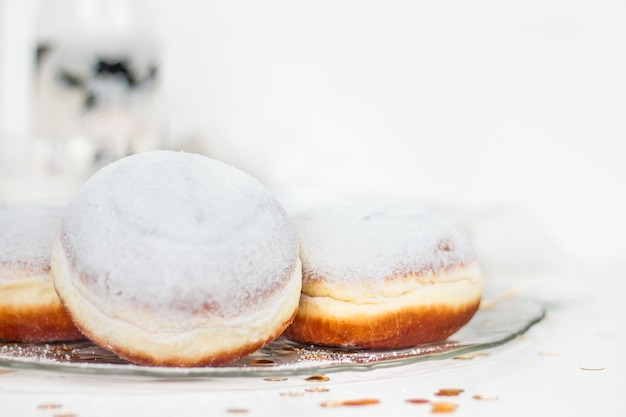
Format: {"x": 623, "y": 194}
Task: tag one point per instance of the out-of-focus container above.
{"x": 98, "y": 94}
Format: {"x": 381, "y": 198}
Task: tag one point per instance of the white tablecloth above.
{"x": 571, "y": 363}
{"x": 541, "y": 373}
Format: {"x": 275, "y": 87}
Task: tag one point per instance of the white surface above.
{"x": 539, "y": 374}
{"x": 479, "y": 102}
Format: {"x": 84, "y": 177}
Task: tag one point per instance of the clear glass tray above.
{"x": 496, "y": 322}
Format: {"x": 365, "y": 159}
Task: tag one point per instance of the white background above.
{"x": 469, "y": 103}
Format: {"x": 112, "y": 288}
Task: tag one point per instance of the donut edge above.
{"x": 430, "y": 312}
{"x": 205, "y": 346}
{"x": 31, "y": 312}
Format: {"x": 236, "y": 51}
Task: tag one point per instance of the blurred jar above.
{"x": 99, "y": 95}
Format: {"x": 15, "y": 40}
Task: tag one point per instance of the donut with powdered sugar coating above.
{"x": 383, "y": 275}
{"x": 175, "y": 259}
{"x": 30, "y": 310}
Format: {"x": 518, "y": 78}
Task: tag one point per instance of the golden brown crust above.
{"x": 403, "y": 328}
{"x": 31, "y": 311}
{"x": 383, "y": 275}
{"x": 402, "y": 311}
{"x": 225, "y": 356}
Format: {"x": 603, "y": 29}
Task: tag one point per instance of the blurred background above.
{"x": 472, "y": 104}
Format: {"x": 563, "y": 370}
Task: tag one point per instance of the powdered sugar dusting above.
{"x": 26, "y": 234}
{"x": 368, "y": 242}
{"x": 178, "y": 233}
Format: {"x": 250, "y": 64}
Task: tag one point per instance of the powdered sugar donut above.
{"x": 174, "y": 259}
{"x": 30, "y": 310}
{"x": 383, "y": 275}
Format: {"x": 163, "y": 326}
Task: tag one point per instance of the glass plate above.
{"x": 496, "y": 322}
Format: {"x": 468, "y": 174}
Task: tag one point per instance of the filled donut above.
{"x": 382, "y": 275}
{"x": 175, "y": 259}
{"x": 30, "y": 310}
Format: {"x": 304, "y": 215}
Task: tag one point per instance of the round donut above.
{"x": 30, "y": 310}
{"x": 175, "y": 259}
{"x": 382, "y": 275}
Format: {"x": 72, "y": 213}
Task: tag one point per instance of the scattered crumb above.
{"x": 237, "y": 410}
{"x": 317, "y": 389}
{"x": 485, "y": 397}
{"x": 443, "y": 407}
{"x": 49, "y": 406}
{"x": 418, "y": 401}
{"x": 449, "y": 392}
{"x": 351, "y": 403}
{"x": 549, "y": 353}
{"x": 317, "y": 378}
{"x": 291, "y": 394}
{"x": 592, "y": 368}
{"x": 262, "y": 362}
